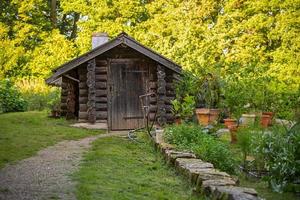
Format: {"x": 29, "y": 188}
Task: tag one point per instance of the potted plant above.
{"x": 176, "y": 111}
{"x": 208, "y": 98}
{"x": 234, "y": 98}
{"x": 183, "y": 110}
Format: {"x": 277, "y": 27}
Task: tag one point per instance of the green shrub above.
{"x": 280, "y": 150}
{"x": 10, "y": 97}
{"x": 207, "y": 147}
{"x": 38, "y": 95}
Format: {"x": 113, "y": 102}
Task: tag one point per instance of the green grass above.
{"x": 24, "y": 134}
{"x": 117, "y": 168}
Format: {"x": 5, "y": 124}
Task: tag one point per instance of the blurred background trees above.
{"x": 253, "y": 43}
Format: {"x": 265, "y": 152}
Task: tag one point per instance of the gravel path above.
{"x": 46, "y": 175}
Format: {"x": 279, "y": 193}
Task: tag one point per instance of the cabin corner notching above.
{"x": 104, "y": 84}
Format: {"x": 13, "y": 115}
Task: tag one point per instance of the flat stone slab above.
{"x": 191, "y": 167}
{"x": 165, "y": 146}
{"x": 234, "y": 193}
{"x": 96, "y": 126}
{"x": 209, "y": 186}
{"x": 172, "y": 155}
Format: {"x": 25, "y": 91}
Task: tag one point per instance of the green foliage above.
{"x": 253, "y": 43}
{"x": 38, "y": 95}
{"x": 209, "y": 92}
{"x": 10, "y": 97}
{"x": 280, "y": 150}
{"x": 184, "y": 109}
{"x": 276, "y": 151}
{"x": 191, "y": 137}
{"x": 245, "y": 135}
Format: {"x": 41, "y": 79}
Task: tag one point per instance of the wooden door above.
{"x": 128, "y": 80}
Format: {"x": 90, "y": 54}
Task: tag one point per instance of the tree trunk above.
{"x": 53, "y": 16}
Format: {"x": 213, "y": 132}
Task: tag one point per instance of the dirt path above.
{"x": 46, "y": 175}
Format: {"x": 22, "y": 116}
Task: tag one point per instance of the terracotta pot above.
{"x": 248, "y": 119}
{"x": 178, "y": 121}
{"x": 214, "y": 115}
{"x": 233, "y": 131}
{"x": 265, "y": 120}
{"x": 228, "y": 122}
{"x": 203, "y": 116}
{"x": 271, "y": 114}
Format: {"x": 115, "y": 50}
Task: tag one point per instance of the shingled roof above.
{"x": 122, "y": 38}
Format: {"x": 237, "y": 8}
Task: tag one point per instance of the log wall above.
{"x": 100, "y": 86}
{"x": 170, "y": 78}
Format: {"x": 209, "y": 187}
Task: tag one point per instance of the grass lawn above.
{"x": 25, "y": 133}
{"x": 117, "y": 168}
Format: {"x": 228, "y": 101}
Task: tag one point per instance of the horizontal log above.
{"x": 83, "y": 92}
{"x": 169, "y": 116}
{"x": 101, "y": 114}
{"x": 101, "y": 62}
{"x": 153, "y": 100}
{"x": 100, "y": 77}
{"x": 82, "y": 115}
{"x": 83, "y": 100}
{"x": 101, "y": 93}
{"x": 101, "y": 99}
{"x": 101, "y": 70}
{"x": 82, "y": 107}
{"x": 101, "y": 85}
{"x": 153, "y": 108}
{"x": 153, "y": 85}
{"x": 101, "y": 106}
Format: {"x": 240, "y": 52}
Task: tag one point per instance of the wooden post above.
{"x": 161, "y": 95}
{"x": 91, "y": 103}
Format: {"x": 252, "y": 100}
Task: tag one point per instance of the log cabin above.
{"x": 106, "y": 84}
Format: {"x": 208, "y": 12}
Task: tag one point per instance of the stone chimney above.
{"x": 99, "y": 39}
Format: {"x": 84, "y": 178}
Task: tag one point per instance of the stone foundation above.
{"x": 202, "y": 175}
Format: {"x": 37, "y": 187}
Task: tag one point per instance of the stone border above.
{"x": 207, "y": 180}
